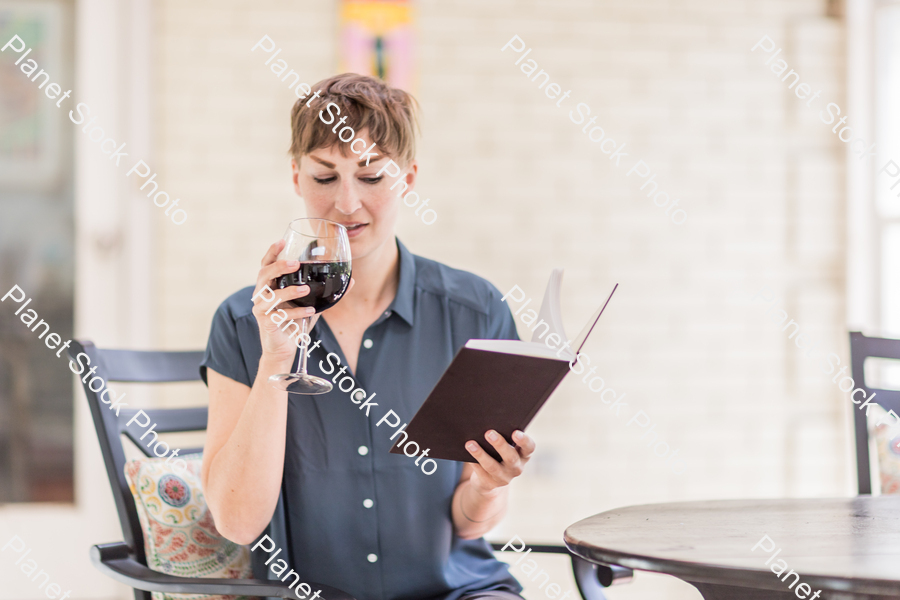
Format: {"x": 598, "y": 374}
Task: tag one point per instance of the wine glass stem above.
{"x": 304, "y": 341}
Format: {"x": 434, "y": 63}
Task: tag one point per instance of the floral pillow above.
{"x": 887, "y": 440}
{"x": 180, "y": 537}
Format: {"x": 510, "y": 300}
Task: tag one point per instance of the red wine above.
{"x": 327, "y": 283}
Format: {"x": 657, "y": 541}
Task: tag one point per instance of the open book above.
{"x": 497, "y": 384}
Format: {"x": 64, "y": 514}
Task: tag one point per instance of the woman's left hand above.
{"x": 488, "y": 474}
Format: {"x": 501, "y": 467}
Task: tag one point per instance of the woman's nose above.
{"x": 348, "y": 200}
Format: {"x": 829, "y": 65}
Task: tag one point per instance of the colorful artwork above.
{"x": 30, "y": 144}
{"x": 377, "y": 39}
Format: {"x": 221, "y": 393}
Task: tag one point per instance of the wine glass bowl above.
{"x": 323, "y": 249}
{"x": 327, "y": 281}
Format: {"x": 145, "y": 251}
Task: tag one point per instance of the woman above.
{"x": 358, "y": 518}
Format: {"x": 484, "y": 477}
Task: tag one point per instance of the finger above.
{"x": 300, "y": 313}
{"x": 507, "y": 452}
{"x": 352, "y": 283}
{"x": 297, "y": 317}
{"x": 267, "y": 276}
{"x": 287, "y": 314}
{"x": 290, "y": 293}
{"x": 280, "y": 296}
{"x": 295, "y": 334}
{"x": 272, "y": 253}
{"x": 479, "y": 476}
{"x": 524, "y": 443}
{"x": 277, "y": 269}
{"x": 484, "y": 459}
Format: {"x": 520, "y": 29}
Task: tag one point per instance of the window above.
{"x": 37, "y": 254}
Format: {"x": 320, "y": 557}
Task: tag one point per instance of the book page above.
{"x": 582, "y": 337}
{"x": 550, "y": 311}
{"x": 551, "y": 314}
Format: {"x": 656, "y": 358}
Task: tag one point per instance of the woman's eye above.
{"x": 371, "y": 180}
{"x": 324, "y": 180}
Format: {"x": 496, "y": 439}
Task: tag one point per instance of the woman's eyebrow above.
{"x": 330, "y": 165}
{"x": 362, "y": 163}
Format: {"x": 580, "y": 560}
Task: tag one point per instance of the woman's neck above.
{"x": 376, "y": 278}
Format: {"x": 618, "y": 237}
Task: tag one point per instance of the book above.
{"x": 497, "y": 384}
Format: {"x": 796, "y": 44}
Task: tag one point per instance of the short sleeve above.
{"x": 501, "y": 325}
{"x": 223, "y": 350}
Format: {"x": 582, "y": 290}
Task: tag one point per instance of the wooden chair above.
{"x": 861, "y": 348}
{"x": 126, "y": 561}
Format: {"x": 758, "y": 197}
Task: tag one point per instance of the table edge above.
{"x": 724, "y": 575}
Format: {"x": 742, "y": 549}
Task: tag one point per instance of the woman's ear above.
{"x": 295, "y": 176}
{"x": 411, "y": 173}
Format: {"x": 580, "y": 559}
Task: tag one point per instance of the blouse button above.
{"x": 363, "y": 450}
{"x": 372, "y": 557}
{"x": 367, "y": 343}
{"x": 368, "y": 503}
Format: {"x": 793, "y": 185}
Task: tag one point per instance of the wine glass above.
{"x": 323, "y": 249}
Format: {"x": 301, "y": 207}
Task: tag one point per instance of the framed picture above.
{"x": 30, "y": 122}
{"x": 376, "y": 38}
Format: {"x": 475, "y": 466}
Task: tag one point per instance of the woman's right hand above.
{"x": 277, "y": 344}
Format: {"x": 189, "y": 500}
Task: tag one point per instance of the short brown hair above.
{"x": 389, "y": 114}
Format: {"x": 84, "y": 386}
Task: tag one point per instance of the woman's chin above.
{"x": 359, "y": 246}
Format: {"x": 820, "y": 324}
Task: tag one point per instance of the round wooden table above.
{"x": 842, "y": 548}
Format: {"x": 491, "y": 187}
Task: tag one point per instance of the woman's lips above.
{"x": 355, "y": 229}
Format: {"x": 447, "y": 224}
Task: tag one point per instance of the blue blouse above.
{"x": 359, "y": 518}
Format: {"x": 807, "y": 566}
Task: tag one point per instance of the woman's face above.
{"x": 343, "y": 189}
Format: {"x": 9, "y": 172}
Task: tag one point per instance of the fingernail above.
{"x": 293, "y": 263}
{"x": 492, "y": 436}
{"x": 517, "y": 435}
{"x": 472, "y": 447}
{"x": 310, "y": 310}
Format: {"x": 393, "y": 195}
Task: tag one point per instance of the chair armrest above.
{"x": 587, "y": 574}
{"x": 115, "y": 561}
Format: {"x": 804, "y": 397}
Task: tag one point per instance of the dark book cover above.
{"x": 482, "y": 390}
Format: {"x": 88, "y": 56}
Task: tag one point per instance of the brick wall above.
{"x": 519, "y": 189}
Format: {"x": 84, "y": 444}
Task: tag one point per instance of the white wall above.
{"x": 519, "y": 189}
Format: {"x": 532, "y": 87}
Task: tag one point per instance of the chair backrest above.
{"x": 134, "y": 366}
{"x": 861, "y": 348}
